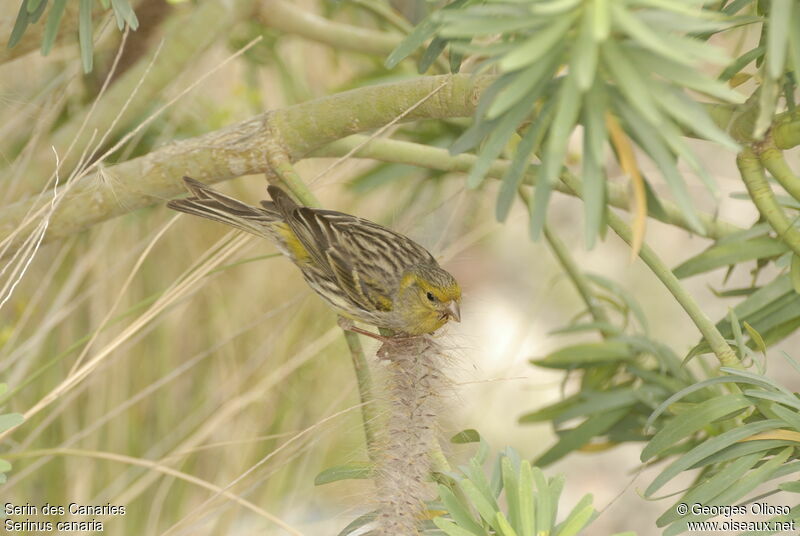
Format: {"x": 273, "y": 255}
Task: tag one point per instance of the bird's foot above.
{"x": 348, "y": 325}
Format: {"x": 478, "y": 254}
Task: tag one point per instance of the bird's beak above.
{"x": 454, "y": 311}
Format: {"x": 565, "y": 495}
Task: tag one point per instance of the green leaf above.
{"x": 698, "y": 418}
{"x": 741, "y": 62}
{"x": 433, "y": 51}
{"x": 526, "y": 148}
{"x": 600, "y": 402}
{"x": 794, "y": 43}
{"x": 85, "y": 34}
{"x": 691, "y": 115}
{"x": 470, "y": 435}
{"x": 703, "y": 492}
{"x": 485, "y": 505}
{"x": 594, "y": 180}
{"x": 707, "y": 448}
{"x": 792, "y": 418}
{"x": 630, "y": 82}
{"x": 780, "y": 18}
{"x": 10, "y": 420}
{"x": 578, "y": 518}
{"x": 767, "y": 104}
{"x": 124, "y": 10}
{"x": 538, "y": 46}
{"x": 511, "y": 485}
{"x": 459, "y": 511}
{"x": 794, "y": 273}
{"x": 348, "y": 471}
{"x": 756, "y": 337}
{"x": 33, "y": 5}
{"x": 583, "y": 61}
{"x": 544, "y": 506}
{"x": 550, "y": 412}
{"x": 20, "y": 25}
{"x": 587, "y": 354}
{"x": 505, "y": 527}
{"x": 602, "y": 20}
{"x": 5, "y": 466}
{"x": 35, "y": 12}
{"x": 643, "y": 133}
{"x": 646, "y": 36}
{"x": 526, "y": 512}
{"x": 525, "y": 82}
{"x": 555, "y": 150}
{"x": 735, "y": 492}
{"x": 581, "y": 435}
{"x": 791, "y": 487}
{"x": 425, "y": 29}
{"x": 502, "y": 132}
{"x": 51, "y": 26}
{"x": 624, "y": 294}
{"x": 359, "y": 522}
{"x": 451, "y": 529}
{"x": 730, "y": 253}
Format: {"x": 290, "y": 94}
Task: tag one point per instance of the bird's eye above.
{"x": 431, "y": 297}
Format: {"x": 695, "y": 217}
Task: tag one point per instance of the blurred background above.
{"x": 240, "y": 379}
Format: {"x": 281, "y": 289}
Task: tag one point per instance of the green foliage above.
{"x": 633, "y": 59}
{"x": 623, "y": 377}
{"x": 470, "y": 500}
{"x": 30, "y": 11}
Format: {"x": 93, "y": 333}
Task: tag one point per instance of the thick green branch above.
{"x": 239, "y": 149}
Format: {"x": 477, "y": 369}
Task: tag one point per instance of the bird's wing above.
{"x": 364, "y": 258}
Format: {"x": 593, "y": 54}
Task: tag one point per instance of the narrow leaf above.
{"x": 51, "y": 26}
{"x": 85, "y": 34}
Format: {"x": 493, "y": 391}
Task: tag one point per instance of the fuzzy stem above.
{"x": 414, "y": 383}
{"x": 764, "y": 199}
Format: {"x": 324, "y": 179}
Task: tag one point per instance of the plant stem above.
{"x": 282, "y": 167}
{"x": 716, "y": 341}
{"x": 404, "y": 152}
{"x": 576, "y": 276}
{"x": 772, "y": 159}
{"x": 763, "y": 197}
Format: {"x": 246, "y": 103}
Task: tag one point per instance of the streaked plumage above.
{"x": 365, "y": 271}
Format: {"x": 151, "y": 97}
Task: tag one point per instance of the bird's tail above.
{"x": 209, "y": 203}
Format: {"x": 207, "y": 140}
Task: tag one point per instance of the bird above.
{"x": 366, "y": 272}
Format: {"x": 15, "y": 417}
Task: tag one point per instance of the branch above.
{"x": 238, "y": 150}
{"x": 287, "y": 17}
{"x": 764, "y": 198}
{"x": 403, "y": 152}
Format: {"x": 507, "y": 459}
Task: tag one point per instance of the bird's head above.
{"x": 428, "y": 297}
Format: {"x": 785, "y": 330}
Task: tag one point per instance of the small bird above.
{"x": 366, "y": 272}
